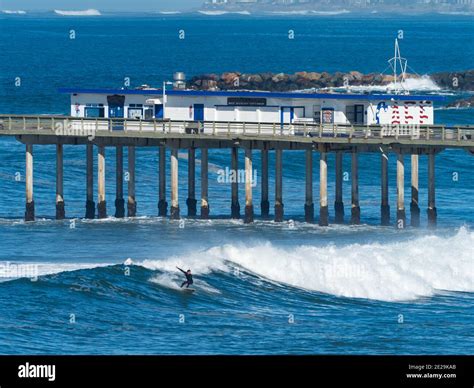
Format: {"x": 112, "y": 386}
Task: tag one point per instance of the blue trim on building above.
{"x": 234, "y": 93}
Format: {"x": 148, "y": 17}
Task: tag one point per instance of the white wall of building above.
{"x": 216, "y": 109}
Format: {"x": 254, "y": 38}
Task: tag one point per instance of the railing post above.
{"x": 459, "y": 133}
{"x": 38, "y": 123}
{"x": 9, "y": 123}
{"x": 274, "y": 129}
{"x": 24, "y": 123}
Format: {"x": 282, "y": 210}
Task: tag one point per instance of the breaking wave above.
{"x": 400, "y": 271}
{"x": 397, "y": 271}
{"x": 87, "y": 12}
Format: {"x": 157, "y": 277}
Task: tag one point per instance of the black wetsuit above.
{"x": 189, "y": 278}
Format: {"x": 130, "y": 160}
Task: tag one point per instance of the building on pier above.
{"x": 253, "y": 106}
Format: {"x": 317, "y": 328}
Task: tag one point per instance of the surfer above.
{"x": 189, "y": 277}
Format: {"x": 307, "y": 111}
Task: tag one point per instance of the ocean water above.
{"x": 110, "y": 286}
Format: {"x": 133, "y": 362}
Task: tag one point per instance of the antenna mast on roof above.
{"x": 398, "y": 62}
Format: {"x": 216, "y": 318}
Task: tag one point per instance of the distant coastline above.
{"x": 338, "y": 7}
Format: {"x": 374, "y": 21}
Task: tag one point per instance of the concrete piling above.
{"x": 119, "y": 201}
{"x": 162, "y": 204}
{"x": 432, "y": 212}
{"x": 385, "y": 206}
{"x": 60, "y": 209}
{"x": 90, "y": 204}
{"x": 355, "y": 207}
{"x": 131, "y": 202}
{"x": 401, "y": 216}
{"x": 204, "y": 184}
{"x": 323, "y": 190}
{"x": 338, "y": 203}
{"x": 235, "y": 206}
{"x": 191, "y": 201}
{"x": 30, "y": 204}
{"x": 414, "y": 205}
{"x": 248, "y": 186}
{"x": 101, "y": 203}
{"x": 174, "y": 213}
{"x": 278, "y": 185}
{"x": 309, "y": 205}
{"x": 264, "y": 204}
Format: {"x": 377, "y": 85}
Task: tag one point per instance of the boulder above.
{"x": 280, "y": 77}
{"x": 355, "y": 75}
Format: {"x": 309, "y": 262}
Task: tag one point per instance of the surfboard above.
{"x": 190, "y": 290}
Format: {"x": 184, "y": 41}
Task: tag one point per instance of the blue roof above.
{"x": 240, "y": 93}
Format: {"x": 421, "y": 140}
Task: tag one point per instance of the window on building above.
{"x": 135, "y": 111}
{"x": 149, "y": 110}
{"x": 317, "y": 114}
{"x": 355, "y": 114}
{"x": 94, "y": 110}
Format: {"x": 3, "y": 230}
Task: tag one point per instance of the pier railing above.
{"x": 74, "y": 126}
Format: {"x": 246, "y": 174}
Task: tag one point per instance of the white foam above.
{"x": 199, "y": 263}
{"x": 424, "y": 83}
{"x": 220, "y": 13}
{"x": 12, "y": 12}
{"x": 87, "y": 12}
{"x": 10, "y": 270}
{"x": 309, "y": 12}
{"x": 458, "y": 13}
{"x": 397, "y": 271}
{"x": 330, "y": 13}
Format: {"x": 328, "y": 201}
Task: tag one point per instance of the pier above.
{"x": 394, "y": 144}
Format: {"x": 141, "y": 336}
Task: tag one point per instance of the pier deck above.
{"x": 71, "y": 130}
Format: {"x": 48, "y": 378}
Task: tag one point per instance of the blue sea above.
{"x": 111, "y": 287}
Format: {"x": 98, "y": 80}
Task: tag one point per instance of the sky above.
{"x": 105, "y": 5}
